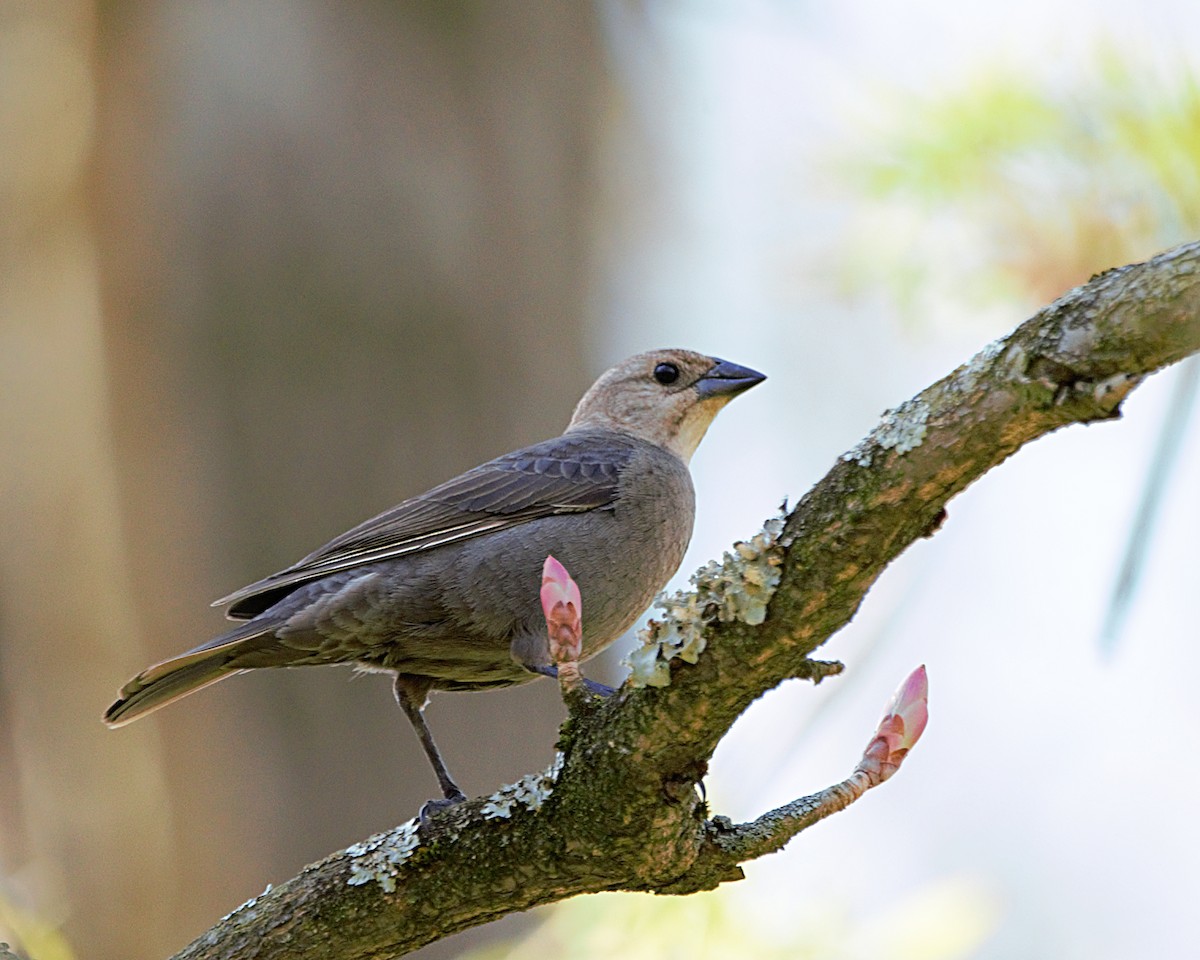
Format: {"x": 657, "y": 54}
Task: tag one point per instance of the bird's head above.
{"x": 668, "y": 397}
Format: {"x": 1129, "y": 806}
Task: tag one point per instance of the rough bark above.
{"x": 623, "y": 812}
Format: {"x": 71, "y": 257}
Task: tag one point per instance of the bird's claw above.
{"x": 431, "y": 808}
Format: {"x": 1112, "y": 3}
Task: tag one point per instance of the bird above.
{"x": 442, "y": 590}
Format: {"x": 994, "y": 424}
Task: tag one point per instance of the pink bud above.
{"x": 910, "y": 707}
{"x": 903, "y": 723}
{"x": 563, "y": 608}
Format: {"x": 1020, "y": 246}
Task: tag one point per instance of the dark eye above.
{"x": 666, "y": 373}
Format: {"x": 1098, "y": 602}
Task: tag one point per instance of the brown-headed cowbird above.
{"x": 442, "y": 591}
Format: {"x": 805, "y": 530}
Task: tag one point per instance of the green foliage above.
{"x": 1021, "y": 187}
{"x": 952, "y": 148}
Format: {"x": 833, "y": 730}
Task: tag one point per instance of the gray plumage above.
{"x": 443, "y": 590}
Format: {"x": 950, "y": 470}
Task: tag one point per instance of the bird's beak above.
{"x": 727, "y": 379}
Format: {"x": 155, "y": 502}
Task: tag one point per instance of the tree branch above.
{"x": 622, "y": 812}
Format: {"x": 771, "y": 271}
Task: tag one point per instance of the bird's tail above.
{"x": 172, "y": 679}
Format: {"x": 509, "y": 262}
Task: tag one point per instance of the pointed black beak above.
{"x": 725, "y": 378}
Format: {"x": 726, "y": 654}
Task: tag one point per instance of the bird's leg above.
{"x": 412, "y": 695}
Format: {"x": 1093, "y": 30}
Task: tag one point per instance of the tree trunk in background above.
{"x": 83, "y": 831}
{"x": 343, "y": 254}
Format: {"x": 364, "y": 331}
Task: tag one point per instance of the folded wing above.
{"x": 569, "y": 474}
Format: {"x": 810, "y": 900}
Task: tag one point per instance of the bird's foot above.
{"x": 551, "y": 671}
{"x": 431, "y": 808}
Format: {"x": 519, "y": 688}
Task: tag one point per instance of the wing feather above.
{"x": 569, "y": 474}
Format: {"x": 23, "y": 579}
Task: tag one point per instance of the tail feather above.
{"x": 172, "y": 679}
{"x": 142, "y": 696}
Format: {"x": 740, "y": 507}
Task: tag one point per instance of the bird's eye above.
{"x": 666, "y": 373}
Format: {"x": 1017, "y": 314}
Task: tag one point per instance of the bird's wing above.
{"x": 569, "y": 474}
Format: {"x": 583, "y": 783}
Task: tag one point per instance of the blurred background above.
{"x": 266, "y": 269}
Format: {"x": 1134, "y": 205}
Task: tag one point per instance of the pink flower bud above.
{"x": 563, "y": 608}
{"x": 908, "y": 710}
{"x": 903, "y": 722}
